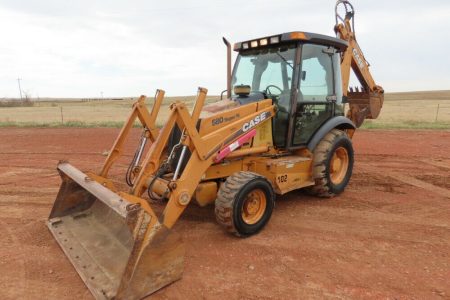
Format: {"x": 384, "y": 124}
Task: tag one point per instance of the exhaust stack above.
{"x": 227, "y": 43}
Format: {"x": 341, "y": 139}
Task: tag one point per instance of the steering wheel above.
{"x": 267, "y": 91}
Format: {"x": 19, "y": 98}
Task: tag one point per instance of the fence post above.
{"x": 437, "y": 113}
{"x": 62, "y": 117}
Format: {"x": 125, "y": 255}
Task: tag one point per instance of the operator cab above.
{"x": 300, "y": 72}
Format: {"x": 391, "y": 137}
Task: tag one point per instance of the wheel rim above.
{"x": 254, "y": 206}
{"x": 339, "y": 165}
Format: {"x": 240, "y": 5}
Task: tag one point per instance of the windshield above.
{"x": 267, "y": 70}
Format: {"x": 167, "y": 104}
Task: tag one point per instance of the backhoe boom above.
{"x": 367, "y": 102}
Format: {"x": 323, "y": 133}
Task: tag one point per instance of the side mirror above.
{"x": 303, "y": 75}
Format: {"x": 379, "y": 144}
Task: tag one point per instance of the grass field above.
{"x": 414, "y": 110}
{"x": 400, "y": 110}
{"x": 80, "y": 113}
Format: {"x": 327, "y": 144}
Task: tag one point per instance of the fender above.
{"x": 339, "y": 122}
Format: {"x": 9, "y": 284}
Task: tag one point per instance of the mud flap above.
{"x": 119, "y": 250}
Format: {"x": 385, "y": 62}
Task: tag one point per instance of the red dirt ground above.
{"x": 387, "y": 236}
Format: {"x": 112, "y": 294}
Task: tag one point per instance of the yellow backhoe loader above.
{"x": 286, "y": 124}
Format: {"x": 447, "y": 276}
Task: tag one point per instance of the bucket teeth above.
{"x": 364, "y": 105}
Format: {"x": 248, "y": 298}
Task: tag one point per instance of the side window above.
{"x": 316, "y": 84}
{"x": 316, "y": 78}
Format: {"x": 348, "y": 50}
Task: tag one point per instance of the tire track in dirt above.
{"x": 409, "y": 180}
{"x": 436, "y": 163}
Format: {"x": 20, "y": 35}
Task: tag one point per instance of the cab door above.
{"x": 319, "y": 91}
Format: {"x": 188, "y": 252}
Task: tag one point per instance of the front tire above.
{"x": 244, "y": 203}
{"x": 332, "y": 164}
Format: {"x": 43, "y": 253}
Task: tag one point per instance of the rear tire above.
{"x": 332, "y": 164}
{"x": 244, "y": 203}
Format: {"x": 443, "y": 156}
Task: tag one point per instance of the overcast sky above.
{"x": 126, "y": 48}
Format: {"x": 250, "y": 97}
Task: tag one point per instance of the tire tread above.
{"x": 321, "y": 187}
{"x": 227, "y": 195}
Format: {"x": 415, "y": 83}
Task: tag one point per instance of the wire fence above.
{"x": 393, "y": 111}
{"x": 417, "y": 110}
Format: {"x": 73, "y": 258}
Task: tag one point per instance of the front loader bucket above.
{"x": 115, "y": 246}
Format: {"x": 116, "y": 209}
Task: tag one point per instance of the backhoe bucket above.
{"x": 119, "y": 250}
{"x": 365, "y": 106}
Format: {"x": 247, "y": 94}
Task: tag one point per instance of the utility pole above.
{"x": 20, "y": 89}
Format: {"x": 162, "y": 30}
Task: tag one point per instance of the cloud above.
{"x": 81, "y": 48}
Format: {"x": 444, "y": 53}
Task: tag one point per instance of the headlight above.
{"x": 274, "y": 39}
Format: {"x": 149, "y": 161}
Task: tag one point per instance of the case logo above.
{"x": 358, "y": 58}
{"x": 255, "y": 121}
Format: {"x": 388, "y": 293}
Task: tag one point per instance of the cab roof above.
{"x": 307, "y": 37}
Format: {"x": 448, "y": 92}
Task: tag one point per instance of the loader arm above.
{"x": 203, "y": 148}
{"x": 148, "y": 121}
{"x": 367, "y": 102}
